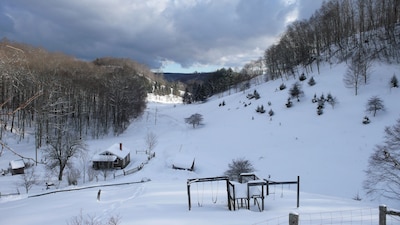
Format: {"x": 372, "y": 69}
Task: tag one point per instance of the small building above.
{"x": 115, "y": 157}
{"x": 17, "y": 166}
{"x": 183, "y": 162}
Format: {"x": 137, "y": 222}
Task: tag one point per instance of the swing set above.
{"x": 250, "y": 187}
{"x": 214, "y": 196}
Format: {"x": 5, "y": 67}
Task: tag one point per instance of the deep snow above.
{"x": 329, "y": 152}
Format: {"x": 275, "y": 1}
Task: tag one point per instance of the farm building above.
{"x": 17, "y": 166}
{"x": 115, "y": 157}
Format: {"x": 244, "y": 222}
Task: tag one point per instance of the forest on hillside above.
{"x": 341, "y": 30}
{"x": 353, "y": 31}
{"x": 54, "y": 95}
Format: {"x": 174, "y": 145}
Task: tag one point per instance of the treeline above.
{"x": 337, "y": 30}
{"x": 53, "y": 94}
{"x": 216, "y": 82}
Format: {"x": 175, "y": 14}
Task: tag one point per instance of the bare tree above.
{"x": 61, "y": 148}
{"x": 194, "y": 119}
{"x": 374, "y": 104}
{"x": 107, "y": 168}
{"x": 92, "y": 220}
{"x": 28, "y": 179}
{"x": 238, "y": 166}
{"x": 383, "y": 172}
{"x": 151, "y": 141}
{"x": 355, "y": 75}
{"x": 84, "y": 164}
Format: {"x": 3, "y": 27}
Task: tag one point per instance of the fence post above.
{"x": 293, "y": 218}
{"x": 382, "y": 214}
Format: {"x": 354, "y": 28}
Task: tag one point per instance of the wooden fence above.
{"x": 136, "y": 169}
{"x": 9, "y": 194}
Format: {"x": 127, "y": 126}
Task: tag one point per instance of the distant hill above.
{"x": 185, "y": 77}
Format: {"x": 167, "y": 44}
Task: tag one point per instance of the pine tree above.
{"x": 311, "y": 82}
{"x": 394, "y": 82}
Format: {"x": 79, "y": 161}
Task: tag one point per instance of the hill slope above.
{"x": 329, "y": 152}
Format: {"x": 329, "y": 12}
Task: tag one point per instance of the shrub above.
{"x": 260, "y": 109}
{"x": 256, "y": 95}
{"x": 366, "y": 120}
{"x": 289, "y": 103}
{"x": 91, "y": 220}
{"x": 302, "y": 77}
{"x": 271, "y": 112}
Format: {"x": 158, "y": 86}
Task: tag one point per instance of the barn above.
{"x": 115, "y": 157}
{"x": 17, "y": 166}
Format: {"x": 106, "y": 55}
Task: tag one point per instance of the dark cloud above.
{"x": 188, "y": 32}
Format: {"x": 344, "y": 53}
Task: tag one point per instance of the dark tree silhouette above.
{"x": 374, "y": 104}
{"x": 194, "y": 119}
{"x": 238, "y": 166}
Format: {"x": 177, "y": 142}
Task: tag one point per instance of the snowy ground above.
{"x": 329, "y": 152}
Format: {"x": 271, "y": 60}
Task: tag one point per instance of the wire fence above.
{"x": 361, "y": 216}
{"x": 364, "y": 216}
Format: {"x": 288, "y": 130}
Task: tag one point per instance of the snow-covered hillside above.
{"x": 329, "y": 152}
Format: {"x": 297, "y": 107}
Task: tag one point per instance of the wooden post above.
{"x": 228, "y": 194}
{"x": 293, "y": 218}
{"x": 298, "y": 191}
{"x": 262, "y": 196}
{"x": 189, "y": 200}
{"x": 382, "y": 214}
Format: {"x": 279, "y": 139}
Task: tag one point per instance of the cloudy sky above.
{"x": 169, "y": 35}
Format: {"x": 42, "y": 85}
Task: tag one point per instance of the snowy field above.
{"x": 329, "y": 152}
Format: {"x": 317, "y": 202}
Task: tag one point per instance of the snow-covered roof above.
{"x": 115, "y": 151}
{"x": 17, "y": 164}
{"x": 104, "y": 158}
{"x": 183, "y": 161}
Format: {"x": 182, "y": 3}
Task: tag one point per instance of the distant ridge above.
{"x": 185, "y": 77}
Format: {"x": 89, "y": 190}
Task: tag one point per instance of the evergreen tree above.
{"x": 295, "y": 91}
{"x": 311, "y": 82}
{"x": 394, "y": 82}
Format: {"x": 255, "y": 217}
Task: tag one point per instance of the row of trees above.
{"x": 218, "y": 81}
{"x": 370, "y": 28}
{"x": 59, "y": 97}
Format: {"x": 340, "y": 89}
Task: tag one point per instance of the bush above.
{"x": 271, "y": 112}
{"x": 289, "y": 103}
{"x": 237, "y": 167}
{"x": 260, "y": 109}
{"x": 302, "y": 77}
{"x": 366, "y": 120}
{"x": 91, "y": 220}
